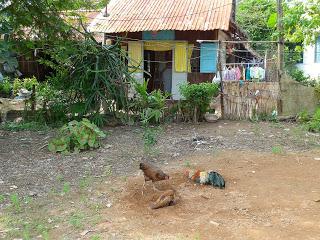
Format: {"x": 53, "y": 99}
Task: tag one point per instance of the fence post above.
{"x": 221, "y": 78}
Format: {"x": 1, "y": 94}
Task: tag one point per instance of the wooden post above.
{"x": 33, "y": 99}
{"x": 221, "y": 78}
{"x": 280, "y": 49}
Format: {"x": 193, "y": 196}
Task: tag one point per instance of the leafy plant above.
{"x": 5, "y": 87}
{"x": 314, "y": 124}
{"x": 15, "y": 201}
{"x": 26, "y": 83}
{"x": 90, "y": 75}
{"x": 24, "y": 126}
{"x": 303, "y": 117}
{"x": 149, "y": 106}
{"x": 76, "y": 136}
{"x": 277, "y": 150}
{"x": 198, "y": 97}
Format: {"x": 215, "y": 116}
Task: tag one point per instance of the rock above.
{"x": 317, "y": 159}
{"x": 108, "y": 146}
{"x": 13, "y": 187}
{"x": 33, "y": 194}
{"x": 176, "y": 155}
{"x": 267, "y": 225}
{"x": 109, "y": 205}
{"x": 85, "y": 232}
{"x": 214, "y": 223}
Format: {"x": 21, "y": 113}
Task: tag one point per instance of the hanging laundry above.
{"x": 262, "y": 73}
{"x": 238, "y": 73}
{"x": 229, "y": 74}
{"x": 248, "y": 76}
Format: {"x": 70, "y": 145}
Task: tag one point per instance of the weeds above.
{"x": 66, "y": 188}
{"x": 76, "y": 220}
{"x": 108, "y": 171}
{"x": 24, "y": 126}
{"x": 95, "y": 237}
{"x": 2, "y": 198}
{"x": 15, "y": 202}
{"x": 277, "y": 150}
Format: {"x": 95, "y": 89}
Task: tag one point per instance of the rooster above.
{"x": 152, "y": 173}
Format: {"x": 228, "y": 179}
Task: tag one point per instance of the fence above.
{"x": 245, "y": 100}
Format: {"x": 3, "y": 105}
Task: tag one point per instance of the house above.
{"x": 170, "y": 42}
{"x": 311, "y": 60}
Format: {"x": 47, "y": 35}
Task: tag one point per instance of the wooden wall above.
{"x": 250, "y": 99}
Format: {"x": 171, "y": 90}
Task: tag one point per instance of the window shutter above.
{"x": 318, "y": 50}
{"x": 208, "y": 57}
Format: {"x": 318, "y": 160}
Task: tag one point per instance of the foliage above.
{"x": 317, "y": 90}
{"x": 90, "y": 75}
{"x": 198, "y": 97}
{"x": 255, "y": 17}
{"x": 277, "y": 150}
{"x": 23, "y": 126}
{"x": 6, "y": 87}
{"x": 303, "y": 117}
{"x": 314, "y": 124}
{"x": 25, "y": 83}
{"x": 150, "y": 107}
{"x": 76, "y": 136}
{"x": 301, "y": 19}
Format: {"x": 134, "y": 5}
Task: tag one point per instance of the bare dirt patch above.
{"x": 267, "y": 197}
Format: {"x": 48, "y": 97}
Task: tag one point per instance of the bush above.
{"x": 6, "y": 87}
{"x": 298, "y": 75}
{"x": 149, "y": 107}
{"x": 198, "y": 97}
{"x": 76, "y": 136}
{"x": 25, "y": 83}
{"x": 314, "y": 124}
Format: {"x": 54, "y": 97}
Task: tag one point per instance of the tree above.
{"x": 253, "y": 17}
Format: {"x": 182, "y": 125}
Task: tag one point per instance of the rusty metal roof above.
{"x": 156, "y": 15}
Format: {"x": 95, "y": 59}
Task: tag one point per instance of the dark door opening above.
{"x": 159, "y": 67}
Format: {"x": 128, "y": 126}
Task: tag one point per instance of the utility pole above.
{"x": 280, "y": 40}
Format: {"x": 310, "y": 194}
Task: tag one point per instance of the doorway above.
{"x": 158, "y": 66}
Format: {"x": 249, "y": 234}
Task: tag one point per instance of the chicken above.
{"x": 166, "y": 199}
{"x": 152, "y": 173}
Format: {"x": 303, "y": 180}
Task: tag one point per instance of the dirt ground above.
{"x": 271, "y": 172}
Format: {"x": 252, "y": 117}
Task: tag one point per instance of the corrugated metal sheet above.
{"x": 156, "y": 15}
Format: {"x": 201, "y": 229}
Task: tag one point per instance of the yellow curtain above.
{"x": 190, "y": 50}
{"x": 135, "y": 50}
{"x": 180, "y": 56}
{"x": 159, "y": 46}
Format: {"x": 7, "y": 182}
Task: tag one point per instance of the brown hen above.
{"x": 152, "y": 173}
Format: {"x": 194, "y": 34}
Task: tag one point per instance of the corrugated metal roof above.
{"x": 156, "y": 15}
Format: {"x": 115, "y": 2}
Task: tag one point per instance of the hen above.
{"x": 152, "y": 173}
{"x": 166, "y": 199}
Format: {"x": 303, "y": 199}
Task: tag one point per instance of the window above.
{"x": 317, "y": 50}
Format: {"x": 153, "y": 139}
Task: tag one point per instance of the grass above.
{"x": 2, "y": 198}
{"x": 76, "y": 220}
{"x": 24, "y": 126}
{"x": 277, "y": 150}
{"x": 66, "y": 188}
{"x": 15, "y": 202}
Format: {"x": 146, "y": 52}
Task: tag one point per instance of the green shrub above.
{"x": 6, "y": 87}
{"x": 303, "y": 117}
{"x": 317, "y": 90}
{"x": 25, "y": 83}
{"x": 149, "y": 106}
{"x": 298, "y": 75}
{"x": 76, "y": 136}
{"x": 314, "y": 124}
{"x": 198, "y": 97}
